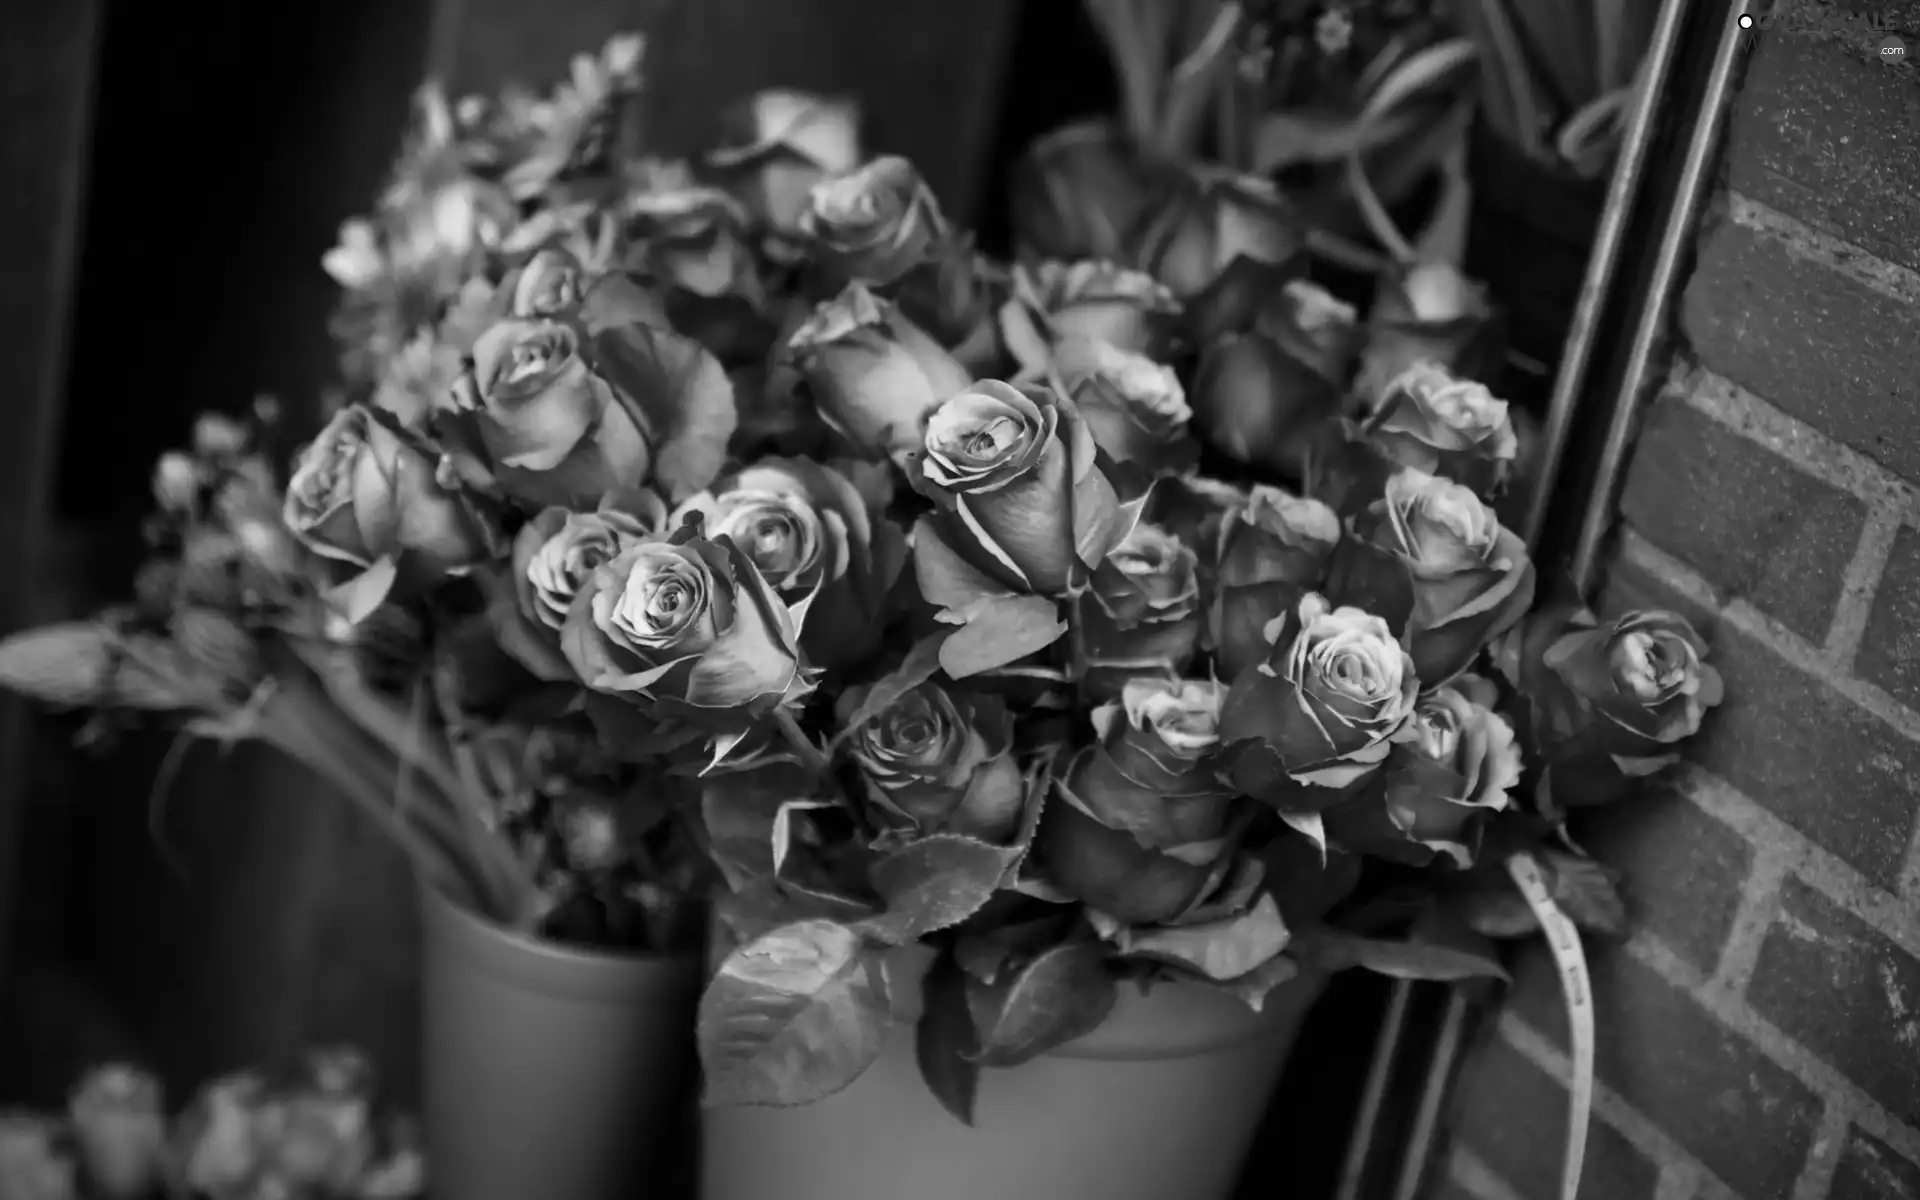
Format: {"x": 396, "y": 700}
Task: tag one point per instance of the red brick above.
{"x": 1745, "y": 1117}
{"x": 1871, "y": 1170}
{"x": 1842, "y": 989}
{"x": 1684, "y": 869}
{"x": 1513, "y": 1116}
{"x": 1829, "y": 138}
{"x": 1823, "y": 347}
{"x": 1890, "y": 654}
{"x": 1836, "y": 773}
{"x": 1749, "y": 520}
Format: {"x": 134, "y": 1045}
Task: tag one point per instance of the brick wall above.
{"x": 1760, "y": 1031}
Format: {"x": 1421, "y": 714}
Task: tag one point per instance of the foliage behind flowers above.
{"x": 766, "y": 536}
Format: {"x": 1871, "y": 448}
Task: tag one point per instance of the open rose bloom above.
{"x": 1143, "y": 606}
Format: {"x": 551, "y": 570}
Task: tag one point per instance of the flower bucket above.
{"x": 550, "y": 1072}
{"x": 1159, "y": 1103}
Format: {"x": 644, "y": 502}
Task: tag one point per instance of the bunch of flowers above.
{"x": 1016, "y": 633}
{"x": 319, "y": 1135}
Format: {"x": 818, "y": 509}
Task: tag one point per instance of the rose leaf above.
{"x": 1588, "y": 892}
{"x": 946, "y": 580}
{"x": 1220, "y": 950}
{"x": 934, "y": 883}
{"x": 945, "y": 1042}
{"x": 792, "y": 1017}
{"x": 1062, "y": 993}
{"x": 356, "y": 598}
{"x": 921, "y": 664}
{"x": 1000, "y": 630}
{"x": 1312, "y": 826}
{"x": 1334, "y": 951}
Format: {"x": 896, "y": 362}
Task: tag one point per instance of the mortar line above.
{"x": 1472, "y": 1175}
{"x": 1808, "y": 244}
{"x": 1836, "y": 465}
{"x": 1649, "y": 1139}
{"x": 1859, "y": 586}
{"x": 1733, "y": 1013}
{"x": 1679, "y": 1181}
{"x": 1895, "y": 919}
{"x": 1823, "y": 1154}
{"x": 1759, "y": 907}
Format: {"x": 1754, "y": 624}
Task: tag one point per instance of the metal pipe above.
{"x": 1386, "y": 1048}
{"x": 1695, "y": 176}
{"x": 1433, "y": 1096}
{"x": 1609, "y": 242}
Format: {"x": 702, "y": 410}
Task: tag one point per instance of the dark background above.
{"x": 244, "y": 916}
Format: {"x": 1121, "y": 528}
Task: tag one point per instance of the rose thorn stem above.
{"x": 811, "y": 756}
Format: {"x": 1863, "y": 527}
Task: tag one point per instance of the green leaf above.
{"x": 1332, "y": 950}
{"x": 1000, "y": 630}
{"x": 1062, "y": 993}
{"x": 1220, "y": 950}
{"x": 945, "y": 1042}
{"x": 1587, "y": 891}
{"x": 935, "y": 883}
{"x": 792, "y": 1017}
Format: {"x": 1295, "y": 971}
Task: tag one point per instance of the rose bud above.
{"x": 874, "y": 223}
{"x": 1434, "y": 422}
{"x": 1212, "y": 219}
{"x": 1023, "y": 497}
{"x": 363, "y": 491}
{"x": 33, "y": 1166}
{"x": 1448, "y": 773}
{"x": 1141, "y": 615}
{"x": 1270, "y": 550}
{"x": 317, "y": 1140}
{"x": 1610, "y": 702}
{"x": 1193, "y": 508}
{"x": 775, "y": 147}
{"x": 1304, "y": 729}
{"x": 810, "y": 533}
{"x": 1134, "y": 824}
{"x": 554, "y": 555}
{"x": 935, "y": 761}
{"x": 553, "y": 415}
{"x": 216, "y": 1142}
{"x": 1078, "y": 191}
{"x": 1430, "y": 314}
{"x": 690, "y": 632}
{"x": 874, "y": 374}
{"x": 1431, "y": 557}
{"x": 1134, "y": 406}
{"x": 1315, "y": 327}
{"x": 693, "y": 238}
{"x": 1100, "y": 300}
{"x": 1258, "y": 403}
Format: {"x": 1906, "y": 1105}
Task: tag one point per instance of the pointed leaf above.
{"x": 1001, "y": 630}
{"x": 356, "y": 598}
{"x": 935, "y": 883}
{"x": 1220, "y": 950}
{"x": 1335, "y": 951}
{"x": 792, "y": 1017}
{"x": 945, "y": 1043}
{"x": 921, "y": 664}
{"x": 1587, "y": 891}
{"x": 1062, "y": 993}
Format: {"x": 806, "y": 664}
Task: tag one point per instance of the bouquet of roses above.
{"x": 320, "y": 1135}
{"x": 1012, "y": 633}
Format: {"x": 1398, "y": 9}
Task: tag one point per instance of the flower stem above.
{"x": 1374, "y": 213}
{"x": 810, "y": 754}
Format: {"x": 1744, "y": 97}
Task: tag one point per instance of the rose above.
{"x": 1259, "y": 403}
{"x": 1100, "y": 300}
{"x": 810, "y": 533}
{"x": 33, "y": 1164}
{"x": 316, "y": 1140}
{"x": 874, "y": 374}
{"x": 1305, "y": 728}
{"x": 1142, "y": 612}
{"x": 934, "y": 761}
{"x": 1450, "y": 770}
{"x": 554, "y": 555}
{"x": 555, "y": 411}
{"x": 1270, "y": 550}
{"x": 693, "y": 238}
{"x": 1314, "y": 327}
{"x": 363, "y": 491}
{"x": 1431, "y": 558}
{"x": 1022, "y": 497}
{"x": 775, "y": 147}
{"x": 1434, "y": 422}
{"x": 688, "y": 631}
{"x": 1136, "y": 820}
{"x": 1433, "y": 314}
{"x": 1609, "y": 702}
{"x": 217, "y": 1149}
{"x": 1134, "y": 406}
{"x": 1078, "y": 191}
{"x": 587, "y": 232}
{"x": 1214, "y": 218}
{"x": 552, "y": 283}
{"x": 873, "y": 223}
{"x": 119, "y": 1129}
